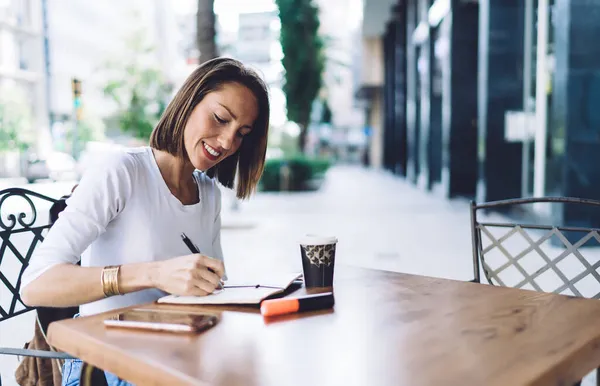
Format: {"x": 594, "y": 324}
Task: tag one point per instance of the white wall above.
{"x": 340, "y": 19}
{"x": 376, "y": 124}
{"x": 258, "y": 47}
{"x": 372, "y": 61}
{"x": 376, "y": 14}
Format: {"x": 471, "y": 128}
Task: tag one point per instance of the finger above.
{"x": 206, "y": 275}
{"x": 195, "y": 289}
{"x": 215, "y": 264}
{"x": 205, "y": 286}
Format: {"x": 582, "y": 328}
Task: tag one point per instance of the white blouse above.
{"x": 123, "y": 212}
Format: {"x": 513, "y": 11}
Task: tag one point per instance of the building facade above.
{"x": 44, "y": 45}
{"x": 85, "y": 38}
{"x": 485, "y": 99}
{"x": 257, "y": 45}
{"x": 23, "y": 67}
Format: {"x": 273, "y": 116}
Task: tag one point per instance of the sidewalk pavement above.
{"x": 381, "y": 221}
{"x": 11, "y": 182}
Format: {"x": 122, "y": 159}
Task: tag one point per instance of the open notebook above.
{"x": 246, "y": 291}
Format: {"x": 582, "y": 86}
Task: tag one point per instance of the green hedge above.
{"x": 305, "y": 173}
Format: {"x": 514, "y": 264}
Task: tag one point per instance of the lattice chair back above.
{"x": 24, "y": 221}
{"x": 540, "y": 257}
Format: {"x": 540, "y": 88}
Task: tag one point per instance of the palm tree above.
{"x": 206, "y": 32}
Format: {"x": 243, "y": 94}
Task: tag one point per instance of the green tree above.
{"x": 206, "y": 31}
{"x": 138, "y": 87}
{"x": 303, "y": 59}
{"x": 90, "y": 128}
{"x": 16, "y": 120}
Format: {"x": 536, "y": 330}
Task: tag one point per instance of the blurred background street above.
{"x": 387, "y": 118}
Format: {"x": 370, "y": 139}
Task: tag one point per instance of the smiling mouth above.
{"x": 211, "y": 152}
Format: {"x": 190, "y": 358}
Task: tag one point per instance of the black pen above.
{"x": 194, "y": 249}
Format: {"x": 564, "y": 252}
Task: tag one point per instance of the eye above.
{"x": 244, "y": 132}
{"x": 220, "y": 120}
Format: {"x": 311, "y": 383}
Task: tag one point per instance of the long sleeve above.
{"x": 101, "y": 194}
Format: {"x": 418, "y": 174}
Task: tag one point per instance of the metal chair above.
{"x": 26, "y": 224}
{"x": 540, "y": 257}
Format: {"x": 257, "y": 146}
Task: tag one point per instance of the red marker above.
{"x": 304, "y": 303}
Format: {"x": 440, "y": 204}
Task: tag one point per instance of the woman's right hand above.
{"x": 189, "y": 275}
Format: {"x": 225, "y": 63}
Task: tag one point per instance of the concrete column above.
{"x": 435, "y": 123}
{"x": 395, "y": 91}
{"x": 412, "y": 105}
{"x": 399, "y": 164}
{"x": 389, "y": 94}
{"x": 500, "y": 89}
{"x": 424, "y": 77}
{"x": 573, "y": 155}
{"x": 458, "y": 41}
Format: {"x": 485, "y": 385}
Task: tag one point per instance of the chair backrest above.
{"x": 541, "y": 257}
{"x": 21, "y": 229}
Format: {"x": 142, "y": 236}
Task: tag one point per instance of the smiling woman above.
{"x": 224, "y": 98}
{"x": 227, "y": 99}
{"x": 215, "y": 128}
{"x": 128, "y": 212}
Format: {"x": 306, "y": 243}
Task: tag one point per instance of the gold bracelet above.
{"x": 110, "y": 280}
{"x": 105, "y": 280}
{"x": 113, "y": 281}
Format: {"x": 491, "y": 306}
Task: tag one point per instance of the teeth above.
{"x": 212, "y": 151}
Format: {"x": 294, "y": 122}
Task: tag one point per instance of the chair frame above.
{"x": 476, "y": 228}
{"x": 6, "y": 230}
{"x": 44, "y": 315}
{"x": 478, "y": 252}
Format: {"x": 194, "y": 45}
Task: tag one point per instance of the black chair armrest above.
{"x": 35, "y": 353}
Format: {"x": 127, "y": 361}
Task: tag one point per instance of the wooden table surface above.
{"x": 386, "y": 329}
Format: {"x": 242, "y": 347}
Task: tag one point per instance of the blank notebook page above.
{"x": 243, "y": 291}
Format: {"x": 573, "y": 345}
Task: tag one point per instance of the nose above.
{"x": 226, "y": 139}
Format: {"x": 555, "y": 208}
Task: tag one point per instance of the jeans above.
{"x": 72, "y": 373}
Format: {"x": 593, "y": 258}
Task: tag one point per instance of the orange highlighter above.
{"x": 304, "y": 303}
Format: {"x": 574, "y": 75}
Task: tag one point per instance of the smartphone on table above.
{"x": 163, "y": 320}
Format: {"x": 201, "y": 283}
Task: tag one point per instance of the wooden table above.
{"x": 386, "y": 329}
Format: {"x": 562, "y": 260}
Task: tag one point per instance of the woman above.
{"x": 126, "y": 217}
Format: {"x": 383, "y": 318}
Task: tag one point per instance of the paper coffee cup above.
{"x": 318, "y": 259}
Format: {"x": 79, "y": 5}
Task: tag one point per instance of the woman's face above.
{"x": 217, "y": 125}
